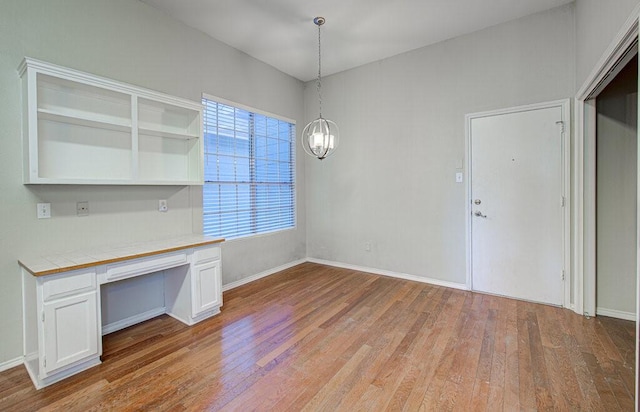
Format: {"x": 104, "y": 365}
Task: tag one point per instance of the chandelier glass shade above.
{"x": 320, "y": 137}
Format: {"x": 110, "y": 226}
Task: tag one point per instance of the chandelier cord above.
{"x": 319, "y": 82}
{"x": 320, "y": 137}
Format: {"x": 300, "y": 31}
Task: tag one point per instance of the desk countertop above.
{"x": 51, "y": 263}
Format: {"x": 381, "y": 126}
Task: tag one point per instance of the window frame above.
{"x": 294, "y": 162}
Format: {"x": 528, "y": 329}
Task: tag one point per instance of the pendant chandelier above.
{"x": 320, "y": 137}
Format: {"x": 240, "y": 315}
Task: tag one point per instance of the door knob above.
{"x": 477, "y": 201}
{"x": 479, "y": 214}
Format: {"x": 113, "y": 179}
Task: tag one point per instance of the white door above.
{"x": 517, "y": 204}
{"x": 70, "y": 331}
{"x": 206, "y": 287}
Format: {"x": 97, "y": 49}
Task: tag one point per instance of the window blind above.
{"x": 249, "y": 172}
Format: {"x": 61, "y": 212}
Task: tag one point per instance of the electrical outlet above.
{"x": 44, "y": 210}
{"x": 82, "y": 208}
{"x": 367, "y": 246}
{"x": 458, "y": 177}
{"x": 162, "y": 206}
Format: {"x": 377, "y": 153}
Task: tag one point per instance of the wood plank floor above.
{"x": 318, "y": 338}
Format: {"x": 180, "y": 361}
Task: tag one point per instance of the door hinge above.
{"x": 44, "y": 361}
{"x": 562, "y": 201}
{"x": 562, "y": 274}
{"x": 561, "y": 124}
{"x": 43, "y": 315}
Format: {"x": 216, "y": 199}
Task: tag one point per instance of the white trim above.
{"x": 589, "y": 152}
{"x": 627, "y": 35}
{"x": 617, "y": 48}
{"x": 12, "y": 363}
{"x": 431, "y": 281}
{"x": 566, "y": 192}
{"x": 98, "y": 81}
{"x": 467, "y": 202}
{"x": 24, "y": 321}
{"x": 247, "y": 108}
{"x": 578, "y": 210}
{"x": 437, "y": 282}
{"x": 294, "y": 163}
{"x": 258, "y": 235}
{"x": 636, "y": 14}
{"x": 261, "y": 275}
{"x": 565, "y": 106}
{"x": 584, "y": 204}
{"x": 133, "y": 320}
{"x": 518, "y": 109}
{"x": 637, "y": 365}
{"x": 612, "y": 313}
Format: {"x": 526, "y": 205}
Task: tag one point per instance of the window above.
{"x": 249, "y": 171}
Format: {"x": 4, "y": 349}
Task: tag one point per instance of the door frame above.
{"x": 612, "y": 61}
{"x": 565, "y": 106}
{"x": 584, "y": 180}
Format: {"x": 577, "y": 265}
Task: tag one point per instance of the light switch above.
{"x": 458, "y": 177}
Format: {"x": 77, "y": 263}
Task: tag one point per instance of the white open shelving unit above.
{"x": 84, "y": 129}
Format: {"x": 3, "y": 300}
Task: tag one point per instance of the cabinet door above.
{"x": 70, "y": 331}
{"x": 206, "y": 287}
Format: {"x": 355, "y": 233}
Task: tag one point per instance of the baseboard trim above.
{"x": 261, "y": 275}
{"x": 12, "y": 363}
{"x": 431, "y": 281}
{"x": 398, "y": 275}
{"x": 612, "y": 313}
{"x": 132, "y": 320}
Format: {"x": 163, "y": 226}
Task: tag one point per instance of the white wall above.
{"x": 130, "y": 297}
{"x": 597, "y": 23}
{"x": 392, "y": 180}
{"x": 128, "y": 41}
{"x": 617, "y": 143}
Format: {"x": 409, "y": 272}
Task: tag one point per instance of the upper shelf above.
{"x": 157, "y": 132}
{"x": 166, "y": 120}
{"x": 86, "y": 129}
{"x": 86, "y": 119}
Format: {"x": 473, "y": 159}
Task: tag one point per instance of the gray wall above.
{"x": 597, "y": 23}
{"x": 617, "y": 146}
{"x": 392, "y": 180}
{"x": 128, "y": 41}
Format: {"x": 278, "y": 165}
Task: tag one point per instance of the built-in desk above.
{"x": 61, "y": 297}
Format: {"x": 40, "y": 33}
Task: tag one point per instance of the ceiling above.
{"x": 281, "y": 33}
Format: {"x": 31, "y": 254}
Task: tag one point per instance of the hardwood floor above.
{"x": 318, "y": 338}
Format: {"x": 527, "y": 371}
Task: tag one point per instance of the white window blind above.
{"x": 249, "y": 172}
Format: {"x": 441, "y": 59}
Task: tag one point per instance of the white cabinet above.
{"x": 70, "y": 328}
{"x": 195, "y": 293}
{"x": 84, "y": 129}
{"x": 206, "y": 288}
{"x": 61, "y": 327}
{"x": 61, "y": 304}
{"x": 169, "y": 142}
{"x": 206, "y": 280}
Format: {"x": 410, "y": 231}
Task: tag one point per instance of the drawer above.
{"x": 66, "y": 284}
{"x": 142, "y": 266}
{"x": 206, "y": 254}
